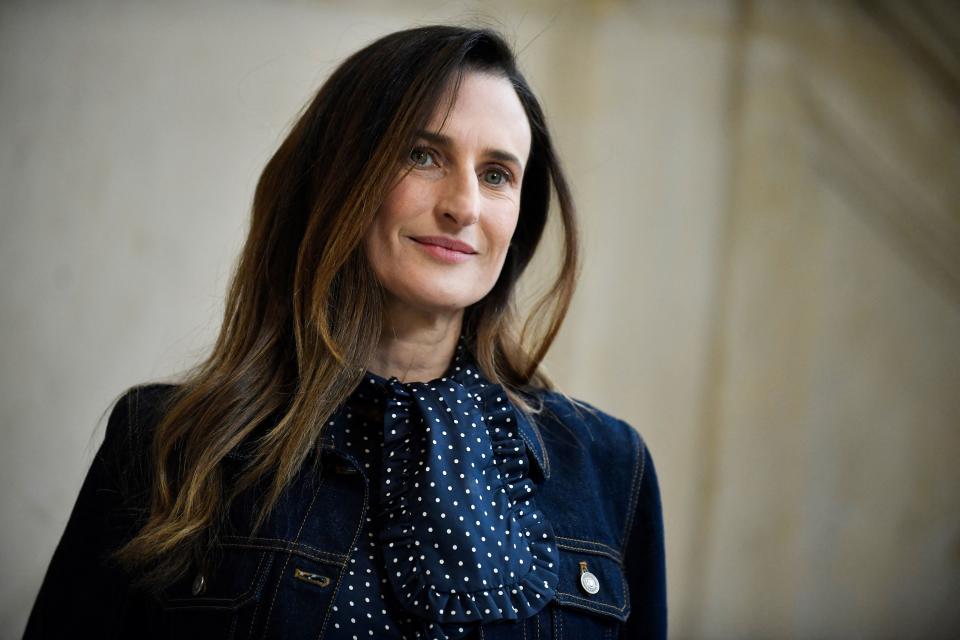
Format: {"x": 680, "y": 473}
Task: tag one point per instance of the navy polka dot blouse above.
{"x": 454, "y": 537}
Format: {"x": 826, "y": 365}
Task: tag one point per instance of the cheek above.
{"x": 501, "y": 231}
{"x": 390, "y": 217}
{"x": 378, "y": 247}
{"x": 405, "y": 202}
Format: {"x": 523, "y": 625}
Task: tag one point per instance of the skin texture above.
{"x": 462, "y": 182}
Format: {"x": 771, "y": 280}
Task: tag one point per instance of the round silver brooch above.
{"x": 589, "y": 582}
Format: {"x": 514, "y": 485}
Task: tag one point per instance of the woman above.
{"x": 372, "y": 448}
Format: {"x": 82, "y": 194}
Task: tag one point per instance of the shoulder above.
{"x": 130, "y": 429}
{"x": 147, "y": 399}
{"x": 598, "y": 463}
{"x": 137, "y": 410}
{"x": 566, "y": 421}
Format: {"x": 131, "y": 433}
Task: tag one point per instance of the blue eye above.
{"x": 496, "y": 177}
{"x": 421, "y": 157}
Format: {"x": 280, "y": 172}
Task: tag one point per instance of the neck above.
{"x": 416, "y": 346}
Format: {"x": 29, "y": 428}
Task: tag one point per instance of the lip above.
{"x": 446, "y": 243}
{"x": 435, "y": 247}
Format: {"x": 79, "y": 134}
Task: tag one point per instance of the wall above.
{"x": 770, "y": 292}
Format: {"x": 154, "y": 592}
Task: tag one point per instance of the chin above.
{"x": 438, "y": 302}
{"x": 445, "y": 305}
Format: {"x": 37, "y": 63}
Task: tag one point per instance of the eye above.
{"x": 422, "y": 157}
{"x": 496, "y": 177}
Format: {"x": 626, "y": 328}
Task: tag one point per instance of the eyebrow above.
{"x": 447, "y": 141}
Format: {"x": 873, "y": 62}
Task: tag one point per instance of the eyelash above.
{"x": 429, "y": 152}
{"x": 507, "y": 174}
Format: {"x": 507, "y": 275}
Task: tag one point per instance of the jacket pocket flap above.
{"x": 230, "y": 584}
{"x": 592, "y": 579}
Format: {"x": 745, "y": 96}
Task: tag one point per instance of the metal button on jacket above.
{"x": 199, "y": 584}
{"x": 588, "y": 581}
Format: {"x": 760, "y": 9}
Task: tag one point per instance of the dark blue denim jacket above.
{"x": 597, "y": 487}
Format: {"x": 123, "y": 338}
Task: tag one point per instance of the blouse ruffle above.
{"x": 462, "y": 538}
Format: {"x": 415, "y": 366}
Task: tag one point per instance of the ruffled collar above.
{"x": 375, "y": 390}
{"x": 462, "y": 538}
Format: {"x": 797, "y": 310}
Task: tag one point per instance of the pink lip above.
{"x": 460, "y": 252}
{"x": 449, "y": 243}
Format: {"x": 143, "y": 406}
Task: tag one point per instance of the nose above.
{"x": 460, "y": 198}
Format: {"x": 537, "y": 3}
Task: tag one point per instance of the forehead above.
{"x": 485, "y": 112}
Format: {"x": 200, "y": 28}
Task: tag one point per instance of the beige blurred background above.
{"x": 771, "y": 293}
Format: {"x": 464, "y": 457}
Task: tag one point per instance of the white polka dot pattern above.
{"x": 455, "y": 537}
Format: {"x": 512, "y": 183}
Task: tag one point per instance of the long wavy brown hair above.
{"x": 304, "y": 311}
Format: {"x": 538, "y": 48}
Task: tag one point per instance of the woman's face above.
{"x": 439, "y": 240}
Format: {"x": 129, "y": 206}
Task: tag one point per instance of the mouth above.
{"x": 445, "y": 243}
{"x": 439, "y": 249}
